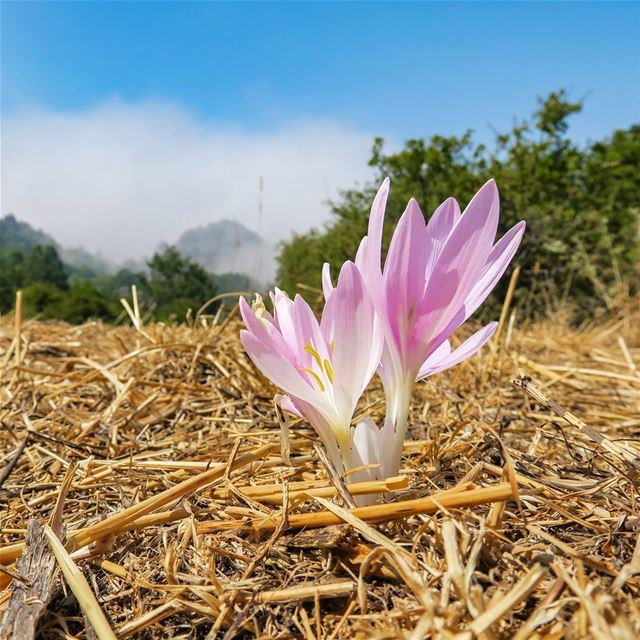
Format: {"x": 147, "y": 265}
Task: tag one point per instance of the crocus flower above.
{"x": 323, "y": 367}
{"x": 435, "y": 276}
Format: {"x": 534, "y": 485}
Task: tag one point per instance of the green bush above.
{"x": 82, "y": 302}
{"x": 40, "y": 298}
{"x": 580, "y": 204}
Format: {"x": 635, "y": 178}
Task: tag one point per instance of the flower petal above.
{"x": 254, "y": 324}
{"x": 349, "y": 325}
{"x": 376, "y": 224}
{"x": 439, "y": 227}
{"x": 366, "y": 449}
{"x": 442, "y": 352}
{"x": 286, "y": 404}
{"x": 497, "y": 263}
{"x": 365, "y": 440}
{"x": 327, "y": 285}
{"x": 307, "y": 331}
{"x": 404, "y": 273}
{"x": 276, "y": 366}
{"x": 459, "y": 264}
{"x": 369, "y": 255}
{"x": 283, "y": 314}
{"x": 465, "y": 350}
{"x": 323, "y": 423}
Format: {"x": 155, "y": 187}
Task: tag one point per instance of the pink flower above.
{"x": 435, "y": 276}
{"x": 323, "y": 367}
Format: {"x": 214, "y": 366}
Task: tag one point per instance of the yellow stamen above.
{"x": 329, "y": 370}
{"x": 316, "y": 377}
{"x": 316, "y": 356}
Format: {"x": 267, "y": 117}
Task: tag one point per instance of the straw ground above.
{"x": 144, "y": 492}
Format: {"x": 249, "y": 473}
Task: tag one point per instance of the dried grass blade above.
{"x": 80, "y": 587}
{"x": 116, "y": 522}
{"x": 307, "y": 592}
{"x": 376, "y": 513}
{"x": 628, "y": 455}
{"x": 519, "y": 592}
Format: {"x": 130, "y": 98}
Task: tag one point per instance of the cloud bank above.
{"x": 121, "y": 178}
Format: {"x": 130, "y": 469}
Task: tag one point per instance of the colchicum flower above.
{"x": 435, "y": 276}
{"x": 323, "y": 367}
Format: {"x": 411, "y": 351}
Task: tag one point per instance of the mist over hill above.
{"x": 21, "y": 236}
{"x": 229, "y": 247}
{"x": 224, "y": 247}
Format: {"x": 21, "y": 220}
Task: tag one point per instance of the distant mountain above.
{"x": 15, "y": 234}
{"x": 229, "y": 247}
{"x": 240, "y": 258}
{"x": 22, "y": 236}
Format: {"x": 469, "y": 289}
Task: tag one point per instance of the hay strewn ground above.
{"x": 169, "y": 444}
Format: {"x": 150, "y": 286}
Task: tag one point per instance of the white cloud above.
{"x": 121, "y": 178}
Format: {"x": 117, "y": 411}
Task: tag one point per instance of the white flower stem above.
{"x": 398, "y": 403}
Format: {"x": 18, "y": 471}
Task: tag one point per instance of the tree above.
{"x": 11, "y": 277}
{"x": 177, "y": 284}
{"x": 580, "y": 204}
{"x": 119, "y": 284}
{"x": 42, "y": 264}
{"x": 226, "y": 282}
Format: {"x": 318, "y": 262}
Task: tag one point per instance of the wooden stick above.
{"x": 33, "y": 590}
{"x": 6, "y": 472}
{"x": 507, "y": 303}
{"x": 274, "y": 496}
{"x": 142, "y": 622}
{"x": 114, "y": 523}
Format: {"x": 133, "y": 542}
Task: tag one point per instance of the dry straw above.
{"x": 515, "y": 513}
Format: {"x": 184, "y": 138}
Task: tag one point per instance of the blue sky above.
{"x": 407, "y": 69}
{"x": 394, "y": 69}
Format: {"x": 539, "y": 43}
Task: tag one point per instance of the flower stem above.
{"x": 398, "y": 404}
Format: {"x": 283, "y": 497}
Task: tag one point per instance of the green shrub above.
{"x": 82, "y": 302}
{"x": 41, "y": 298}
{"x": 580, "y": 204}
